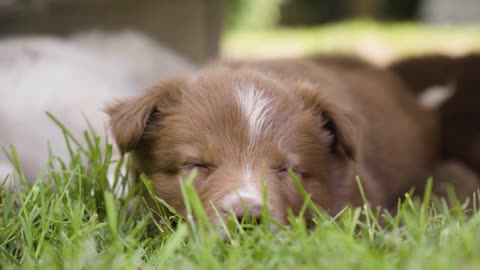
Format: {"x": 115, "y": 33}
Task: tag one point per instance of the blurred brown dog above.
{"x": 459, "y": 115}
{"x": 241, "y": 123}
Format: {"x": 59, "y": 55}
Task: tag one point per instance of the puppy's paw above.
{"x": 456, "y": 176}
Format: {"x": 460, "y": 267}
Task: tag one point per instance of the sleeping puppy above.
{"x": 242, "y": 125}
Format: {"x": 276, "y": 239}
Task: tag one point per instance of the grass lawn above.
{"x": 72, "y": 220}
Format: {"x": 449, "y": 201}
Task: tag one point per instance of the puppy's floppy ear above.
{"x": 131, "y": 119}
{"x": 344, "y": 127}
{"x": 341, "y": 123}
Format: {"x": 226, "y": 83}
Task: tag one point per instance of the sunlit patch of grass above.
{"x": 72, "y": 218}
{"x": 379, "y": 42}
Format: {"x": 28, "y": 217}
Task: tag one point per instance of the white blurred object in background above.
{"x": 71, "y": 78}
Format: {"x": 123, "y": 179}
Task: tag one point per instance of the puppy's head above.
{"x": 240, "y": 130}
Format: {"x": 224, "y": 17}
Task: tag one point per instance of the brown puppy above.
{"x": 240, "y": 124}
{"x": 459, "y": 115}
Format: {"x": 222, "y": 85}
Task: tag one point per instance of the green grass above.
{"x": 72, "y": 220}
{"x": 379, "y": 42}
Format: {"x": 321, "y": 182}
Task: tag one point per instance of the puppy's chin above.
{"x": 225, "y": 234}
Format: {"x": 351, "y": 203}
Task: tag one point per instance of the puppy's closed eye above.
{"x": 201, "y": 167}
{"x": 284, "y": 170}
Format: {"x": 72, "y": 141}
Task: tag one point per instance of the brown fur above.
{"x": 343, "y": 61}
{"x": 327, "y": 122}
{"x": 458, "y": 116}
{"x": 454, "y": 176}
{"x": 420, "y": 72}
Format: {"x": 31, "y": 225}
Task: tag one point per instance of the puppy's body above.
{"x": 458, "y": 115}
{"x": 239, "y": 123}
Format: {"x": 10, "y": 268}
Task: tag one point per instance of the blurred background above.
{"x": 380, "y": 30}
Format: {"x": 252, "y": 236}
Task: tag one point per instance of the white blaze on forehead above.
{"x": 256, "y": 107}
